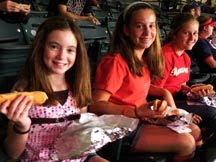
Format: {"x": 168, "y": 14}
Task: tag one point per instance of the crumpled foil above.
{"x": 91, "y": 133}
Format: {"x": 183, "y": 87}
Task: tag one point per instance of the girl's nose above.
{"x": 61, "y": 54}
{"x": 146, "y": 31}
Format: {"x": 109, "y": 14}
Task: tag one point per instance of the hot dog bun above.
{"x": 197, "y": 88}
{"x": 174, "y": 112}
{"x": 159, "y": 105}
{"x": 37, "y": 97}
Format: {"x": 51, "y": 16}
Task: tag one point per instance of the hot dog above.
{"x": 159, "y": 105}
{"x": 207, "y": 87}
{"x": 38, "y": 97}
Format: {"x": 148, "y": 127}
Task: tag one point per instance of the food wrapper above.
{"x": 178, "y": 123}
{"x": 207, "y": 100}
{"x": 91, "y": 133}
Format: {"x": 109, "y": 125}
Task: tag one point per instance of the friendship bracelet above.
{"x": 17, "y": 131}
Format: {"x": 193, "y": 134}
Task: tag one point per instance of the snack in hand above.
{"x": 174, "y": 112}
{"x": 159, "y": 105}
{"x": 38, "y": 97}
{"x": 24, "y": 8}
{"x": 208, "y": 87}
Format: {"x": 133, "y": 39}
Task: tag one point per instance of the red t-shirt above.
{"x": 114, "y": 76}
{"x": 177, "y": 70}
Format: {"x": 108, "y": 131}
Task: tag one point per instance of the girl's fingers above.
{"x": 26, "y": 109}
{"x": 20, "y": 108}
{"x": 14, "y": 104}
{"x": 4, "y": 107}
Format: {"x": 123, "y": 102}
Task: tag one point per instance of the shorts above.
{"x": 113, "y": 150}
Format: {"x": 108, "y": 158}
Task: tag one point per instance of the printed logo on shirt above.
{"x": 176, "y": 71}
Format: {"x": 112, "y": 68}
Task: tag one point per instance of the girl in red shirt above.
{"x": 123, "y": 82}
{"x": 183, "y": 36}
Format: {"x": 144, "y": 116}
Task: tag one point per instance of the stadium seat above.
{"x": 197, "y": 76}
{"x": 35, "y": 13}
{"x": 40, "y": 5}
{"x": 30, "y": 28}
{"x": 11, "y": 34}
{"x": 12, "y": 59}
{"x": 111, "y": 27}
{"x": 95, "y": 33}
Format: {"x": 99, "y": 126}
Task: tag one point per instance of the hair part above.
{"x": 121, "y": 43}
{"x": 34, "y": 75}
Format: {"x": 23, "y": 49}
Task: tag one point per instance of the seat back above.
{"x": 94, "y": 33}
{"x": 196, "y": 76}
{"x": 11, "y": 34}
{"x": 30, "y": 28}
{"x": 40, "y": 5}
{"x": 12, "y": 59}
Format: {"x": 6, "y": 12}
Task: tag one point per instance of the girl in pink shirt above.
{"x": 58, "y": 65}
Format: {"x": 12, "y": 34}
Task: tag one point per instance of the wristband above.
{"x": 17, "y": 131}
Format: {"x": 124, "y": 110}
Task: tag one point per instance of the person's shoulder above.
{"x": 116, "y": 57}
{"x": 201, "y": 42}
{"x": 167, "y": 50}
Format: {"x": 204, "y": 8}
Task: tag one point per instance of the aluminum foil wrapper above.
{"x": 91, "y": 133}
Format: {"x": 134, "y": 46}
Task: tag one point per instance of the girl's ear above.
{"x": 126, "y": 30}
{"x": 205, "y": 28}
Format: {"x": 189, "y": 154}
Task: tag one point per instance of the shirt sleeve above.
{"x": 110, "y": 74}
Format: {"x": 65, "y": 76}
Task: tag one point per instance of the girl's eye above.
{"x": 138, "y": 26}
{"x": 152, "y": 26}
{"x": 195, "y": 33}
{"x": 53, "y": 46}
{"x": 186, "y": 33}
{"x": 71, "y": 50}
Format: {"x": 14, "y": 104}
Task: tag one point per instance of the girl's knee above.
{"x": 197, "y": 134}
{"x": 186, "y": 144}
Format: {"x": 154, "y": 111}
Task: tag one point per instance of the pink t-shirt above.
{"x": 113, "y": 75}
{"x": 40, "y": 144}
{"x": 177, "y": 70}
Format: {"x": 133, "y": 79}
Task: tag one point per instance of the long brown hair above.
{"x": 122, "y": 44}
{"x": 34, "y": 75}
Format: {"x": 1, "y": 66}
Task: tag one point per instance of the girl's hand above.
{"x": 201, "y": 90}
{"x": 94, "y": 20}
{"x": 185, "y": 89}
{"x": 154, "y": 109}
{"x": 9, "y": 6}
{"x": 25, "y": 8}
{"x": 196, "y": 119}
{"x": 17, "y": 111}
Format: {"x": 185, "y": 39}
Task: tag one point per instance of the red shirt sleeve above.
{"x": 110, "y": 74}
